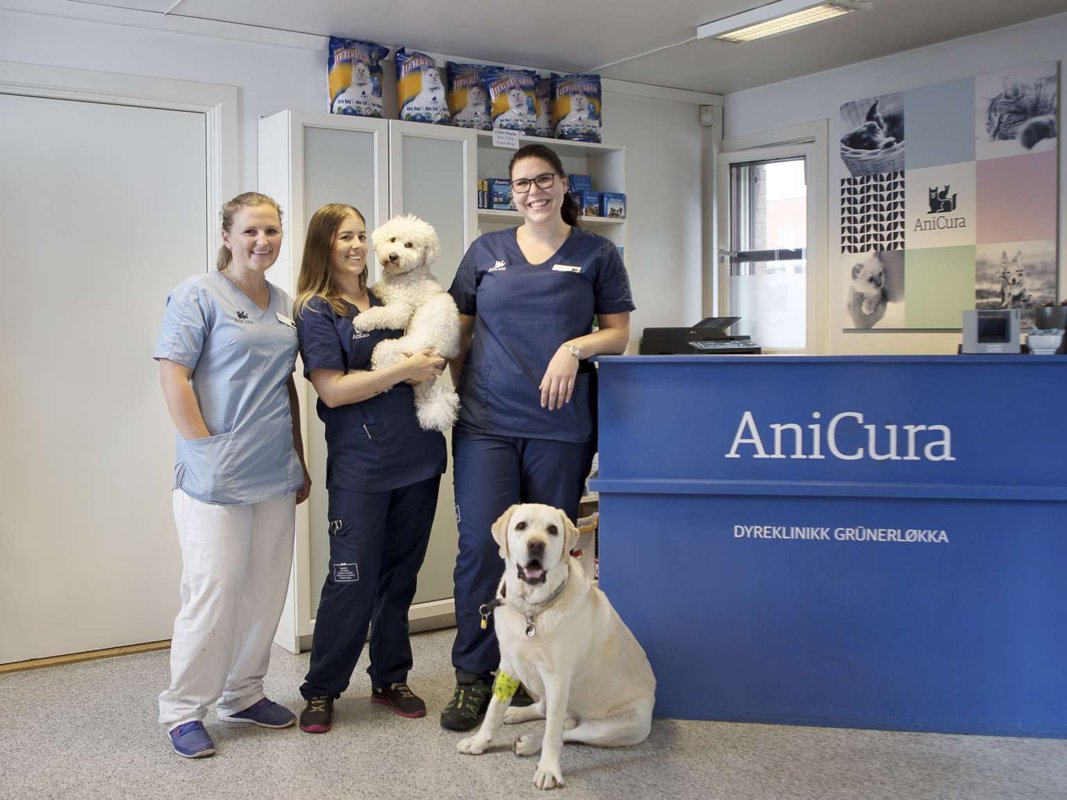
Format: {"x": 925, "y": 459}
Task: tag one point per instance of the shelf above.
{"x": 489, "y": 215}
{"x": 564, "y": 147}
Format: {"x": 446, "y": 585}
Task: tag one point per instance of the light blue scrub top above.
{"x": 241, "y": 357}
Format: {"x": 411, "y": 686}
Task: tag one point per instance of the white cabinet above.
{"x": 384, "y": 168}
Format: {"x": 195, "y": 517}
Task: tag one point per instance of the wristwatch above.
{"x": 574, "y": 350}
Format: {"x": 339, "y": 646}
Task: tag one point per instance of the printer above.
{"x": 707, "y": 337}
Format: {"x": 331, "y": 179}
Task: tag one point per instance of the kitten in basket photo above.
{"x": 871, "y": 134}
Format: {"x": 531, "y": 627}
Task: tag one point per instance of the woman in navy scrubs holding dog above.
{"x": 382, "y": 474}
{"x": 526, "y": 432}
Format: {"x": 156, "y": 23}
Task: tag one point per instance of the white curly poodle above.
{"x": 417, "y": 304}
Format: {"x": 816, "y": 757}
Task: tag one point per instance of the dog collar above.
{"x": 529, "y": 610}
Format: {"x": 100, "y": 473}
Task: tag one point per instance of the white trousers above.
{"x": 236, "y": 562}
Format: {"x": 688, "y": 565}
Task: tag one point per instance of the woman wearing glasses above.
{"x": 526, "y": 432}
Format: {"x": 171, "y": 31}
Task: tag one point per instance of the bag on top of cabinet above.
{"x": 354, "y": 77}
{"x": 512, "y": 95}
{"x": 543, "y": 96}
{"x": 577, "y": 107}
{"x": 419, "y": 88}
{"x": 468, "y": 99}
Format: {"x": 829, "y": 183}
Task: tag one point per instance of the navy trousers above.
{"x": 491, "y": 473}
{"x": 377, "y": 543}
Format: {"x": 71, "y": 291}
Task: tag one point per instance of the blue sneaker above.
{"x": 192, "y": 741}
{"x": 265, "y": 713}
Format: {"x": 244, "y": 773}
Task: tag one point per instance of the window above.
{"x": 772, "y": 239}
{"x": 766, "y": 255}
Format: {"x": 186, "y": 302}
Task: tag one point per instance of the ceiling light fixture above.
{"x": 777, "y": 18}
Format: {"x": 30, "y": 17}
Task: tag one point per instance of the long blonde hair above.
{"x": 230, "y": 209}
{"x": 316, "y": 276}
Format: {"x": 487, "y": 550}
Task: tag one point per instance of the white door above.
{"x": 103, "y": 211}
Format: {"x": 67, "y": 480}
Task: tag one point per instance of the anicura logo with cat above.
{"x": 942, "y": 202}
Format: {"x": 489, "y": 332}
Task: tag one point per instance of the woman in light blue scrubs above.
{"x": 382, "y": 475}
{"x": 526, "y": 432}
{"x": 226, "y": 354}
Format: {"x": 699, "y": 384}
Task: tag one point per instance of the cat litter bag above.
{"x": 577, "y": 107}
{"x": 420, "y": 88}
{"x": 543, "y": 96}
{"x": 513, "y": 99}
{"x": 468, "y": 98}
{"x": 354, "y": 77}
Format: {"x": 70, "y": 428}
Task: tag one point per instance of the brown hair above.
{"x": 570, "y": 210}
{"x": 230, "y": 209}
{"x": 316, "y": 277}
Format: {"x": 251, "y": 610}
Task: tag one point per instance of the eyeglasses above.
{"x": 543, "y": 181}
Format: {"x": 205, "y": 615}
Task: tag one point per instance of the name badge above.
{"x": 284, "y": 320}
{"x": 565, "y": 268}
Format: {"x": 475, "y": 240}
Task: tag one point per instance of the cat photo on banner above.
{"x": 1016, "y": 111}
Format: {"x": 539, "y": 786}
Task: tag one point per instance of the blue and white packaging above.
{"x": 512, "y": 95}
{"x": 354, "y": 77}
{"x": 468, "y": 97}
{"x": 577, "y": 107}
{"x": 588, "y": 201}
{"x": 419, "y": 88}
{"x": 579, "y": 182}
{"x": 543, "y": 104}
{"x": 613, "y": 204}
{"x": 500, "y": 198}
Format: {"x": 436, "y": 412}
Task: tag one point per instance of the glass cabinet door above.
{"x": 345, "y": 161}
{"x": 433, "y": 174}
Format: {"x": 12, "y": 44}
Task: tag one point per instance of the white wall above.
{"x": 663, "y": 141}
{"x": 662, "y": 136}
{"x": 820, "y": 96}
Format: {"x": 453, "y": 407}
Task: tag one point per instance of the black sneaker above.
{"x": 521, "y": 698}
{"x": 400, "y": 698}
{"x": 317, "y": 716}
{"x": 468, "y": 705}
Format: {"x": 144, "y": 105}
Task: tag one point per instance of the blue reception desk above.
{"x": 875, "y": 542}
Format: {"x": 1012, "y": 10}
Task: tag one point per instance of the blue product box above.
{"x": 589, "y": 202}
{"x": 499, "y": 191}
{"x": 613, "y": 204}
{"x": 578, "y": 183}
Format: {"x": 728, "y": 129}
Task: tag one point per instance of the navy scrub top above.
{"x": 524, "y": 312}
{"x": 375, "y": 445}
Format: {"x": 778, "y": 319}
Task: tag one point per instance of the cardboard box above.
{"x": 613, "y": 204}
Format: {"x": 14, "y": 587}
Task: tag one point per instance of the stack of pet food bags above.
{"x": 475, "y": 96}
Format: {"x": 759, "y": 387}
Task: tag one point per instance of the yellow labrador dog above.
{"x": 560, "y": 637}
